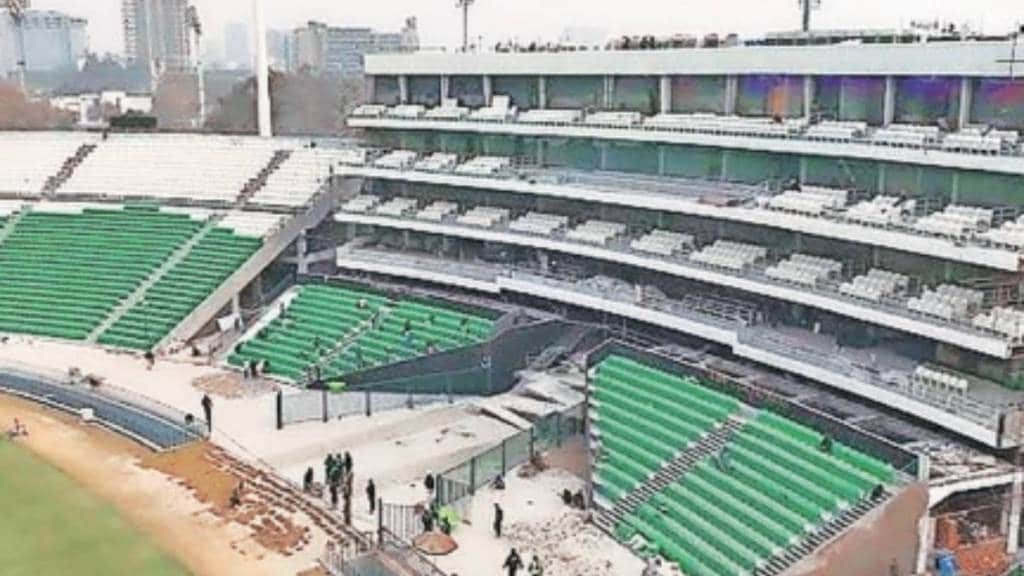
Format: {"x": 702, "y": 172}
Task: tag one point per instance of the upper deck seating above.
{"x": 955, "y": 221}
{"x": 370, "y": 111}
{"x": 663, "y": 243}
{"x": 876, "y": 285}
{"x": 500, "y": 110}
{"x": 881, "y": 211}
{"x": 548, "y": 116}
{"x": 484, "y": 217}
{"x": 397, "y": 160}
{"x": 947, "y": 302}
{"x": 597, "y": 232}
{"x": 438, "y": 211}
{"x": 398, "y": 207}
{"x": 539, "y": 223}
{"x": 1006, "y": 321}
{"x": 485, "y": 166}
{"x": 448, "y": 110}
{"x": 31, "y": 158}
{"x": 730, "y": 255}
{"x": 805, "y": 270}
{"x": 438, "y": 162}
{"x": 202, "y": 168}
{"x": 407, "y": 111}
{"x": 298, "y": 179}
{"x": 362, "y": 204}
{"x": 610, "y": 119}
{"x": 64, "y": 268}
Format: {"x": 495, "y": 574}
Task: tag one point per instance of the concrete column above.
{"x": 881, "y": 178}
{"x": 889, "y": 102}
{"x": 665, "y": 93}
{"x": 403, "y": 89}
{"x": 966, "y": 98}
{"x": 370, "y": 89}
{"x": 732, "y": 89}
{"x": 725, "y": 165}
{"x": 542, "y": 92}
{"x": 263, "y": 113}
{"x": 803, "y": 169}
{"x": 925, "y": 538}
{"x": 841, "y": 106}
{"x": 488, "y": 89}
{"x": 540, "y": 152}
{"x": 604, "y": 155}
{"x": 301, "y": 249}
{"x": 543, "y": 261}
{"x": 661, "y": 161}
{"x": 236, "y": 304}
{"x": 808, "y": 96}
{"x": 609, "y": 92}
{"x": 1013, "y": 526}
{"x": 445, "y": 83}
{"x": 954, "y": 195}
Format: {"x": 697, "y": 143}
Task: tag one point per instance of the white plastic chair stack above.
{"x": 547, "y": 116}
{"x": 730, "y": 255}
{"x": 805, "y": 270}
{"x": 876, "y": 285}
{"x": 438, "y": 211}
{"x": 438, "y": 162}
{"x": 362, "y": 204}
{"x": 1006, "y": 321}
{"x": 500, "y": 110}
{"x": 484, "y": 217}
{"x": 370, "y": 111}
{"x": 398, "y": 207}
{"x": 397, "y": 160}
{"x": 485, "y": 166}
{"x": 448, "y": 110}
{"x": 608, "y": 119}
{"x": 539, "y": 223}
{"x": 596, "y": 232}
{"x": 663, "y": 243}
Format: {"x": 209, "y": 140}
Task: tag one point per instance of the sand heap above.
{"x": 567, "y": 545}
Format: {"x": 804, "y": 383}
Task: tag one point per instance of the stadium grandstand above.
{"x": 790, "y": 294}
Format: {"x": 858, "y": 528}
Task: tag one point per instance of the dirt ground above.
{"x": 178, "y": 499}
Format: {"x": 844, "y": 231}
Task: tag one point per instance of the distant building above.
{"x": 53, "y": 42}
{"x": 318, "y": 48}
{"x": 279, "y": 48}
{"x": 236, "y": 45}
{"x": 158, "y": 33}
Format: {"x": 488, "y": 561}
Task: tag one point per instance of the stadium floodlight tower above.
{"x": 806, "y": 6}
{"x": 465, "y": 4}
{"x": 197, "y": 36}
{"x": 16, "y": 10}
{"x": 262, "y": 73}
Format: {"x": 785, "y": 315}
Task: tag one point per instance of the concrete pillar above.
{"x": 808, "y": 96}
{"x": 403, "y": 89}
{"x": 446, "y": 82}
{"x": 302, "y": 248}
{"x": 661, "y": 161}
{"x": 543, "y": 261}
{"x": 609, "y": 92}
{"x": 1013, "y": 526}
{"x": 966, "y": 98}
{"x": 542, "y": 92}
{"x": 889, "y": 102}
{"x": 604, "y": 155}
{"x": 370, "y": 89}
{"x": 665, "y": 94}
{"x": 881, "y": 178}
{"x": 488, "y": 89}
{"x": 262, "y": 73}
{"x": 724, "y": 175}
{"x": 732, "y": 89}
{"x": 540, "y": 152}
{"x": 236, "y": 304}
{"x": 803, "y": 169}
{"x": 638, "y": 293}
{"x": 925, "y": 538}
{"x": 954, "y": 195}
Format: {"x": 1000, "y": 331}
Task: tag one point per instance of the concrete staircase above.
{"x": 53, "y": 183}
{"x": 256, "y": 182}
{"x": 824, "y": 534}
{"x": 140, "y": 291}
{"x": 711, "y": 443}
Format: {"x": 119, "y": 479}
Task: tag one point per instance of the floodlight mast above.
{"x": 465, "y": 4}
{"x": 16, "y": 10}
{"x": 807, "y": 6}
{"x": 263, "y": 117}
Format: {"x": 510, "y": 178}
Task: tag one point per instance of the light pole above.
{"x": 807, "y": 6}
{"x": 465, "y": 4}
{"x": 16, "y": 9}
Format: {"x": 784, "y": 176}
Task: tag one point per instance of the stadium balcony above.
{"x": 330, "y": 331}
{"x": 883, "y": 221}
{"x": 876, "y": 375}
{"x": 973, "y": 148}
{"x": 714, "y": 485}
{"x": 800, "y": 279}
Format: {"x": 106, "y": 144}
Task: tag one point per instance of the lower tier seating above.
{"x": 62, "y": 272}
{"x": 310, "y": 327}
{"x": 773, "y": 484}
{"x": 410, "y": 329}
{"x": 184, "y": 287}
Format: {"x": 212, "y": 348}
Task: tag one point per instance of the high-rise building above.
{"x": 236, "y": 45}
{"x": 158, "y": 33}
{"x": 52, "y": 41}
{"x": 279, "y": 44}
{"x": 318, "y": 48}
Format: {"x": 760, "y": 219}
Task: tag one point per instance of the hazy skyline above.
{"x": 527, "y": 20}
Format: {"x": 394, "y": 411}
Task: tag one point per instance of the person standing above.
{"x": 536, "y": 568}
{"x": 207, "y": 403}
{"x": 513, "y": 563}
{"x": 499, "y": 519}
{"x": 371, "y": 495}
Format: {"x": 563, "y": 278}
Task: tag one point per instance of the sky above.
{"x": 528, "y": 20}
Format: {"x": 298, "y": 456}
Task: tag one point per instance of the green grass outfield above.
{"x": 50, "y": 526}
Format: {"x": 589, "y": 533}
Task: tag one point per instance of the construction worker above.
{"x": 535, "y": 569}
{"x": 207, "y": 403}
{"x": 513, "y": 563}
{"x": 499, "y": 519}
{"x": 371, "y": 495}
